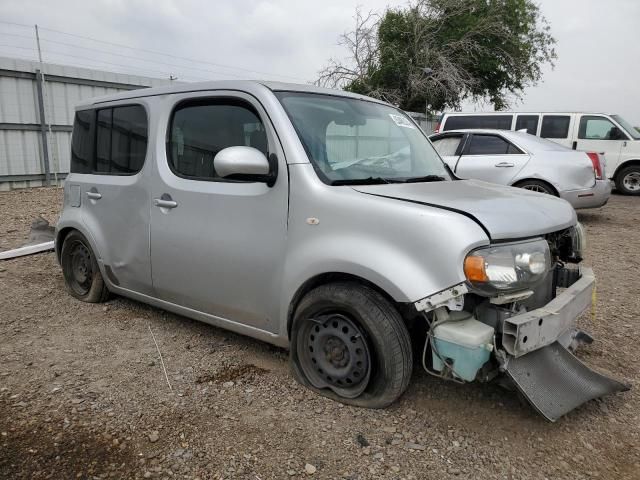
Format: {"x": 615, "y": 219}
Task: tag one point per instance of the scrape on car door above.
{"x": 217, "y": 244}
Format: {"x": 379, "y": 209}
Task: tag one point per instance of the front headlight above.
{"x": 508, "y": 267}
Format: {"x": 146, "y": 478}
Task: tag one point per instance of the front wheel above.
{"x": 80, "y": 269}
{"x": 349, "y": 343}
{"x": 628, "y": 180}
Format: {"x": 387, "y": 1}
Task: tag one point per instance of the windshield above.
{"x": 630, "y": 129}
{"x": 351, "y": 141}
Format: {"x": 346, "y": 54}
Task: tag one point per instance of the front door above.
{"x": 492, "y": 158}
{"x": 596, "y": 133}
{"x": 217, "y": 245}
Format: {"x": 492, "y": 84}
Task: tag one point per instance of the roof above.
{"x": 522, "y": 139}
{"x": 242, "y": 85}
{"x": 557, "y": 112}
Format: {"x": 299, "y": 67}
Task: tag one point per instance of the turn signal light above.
{"x": 474, "y": 269}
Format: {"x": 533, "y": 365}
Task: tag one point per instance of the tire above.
{"x": 628, "y": 180}
{"x": 349, "y": 343}
{"x": 80, "y": 270}
{"x": 537, "y": 186}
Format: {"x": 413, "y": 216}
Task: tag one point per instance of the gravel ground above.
{"x": 83, "y": 394}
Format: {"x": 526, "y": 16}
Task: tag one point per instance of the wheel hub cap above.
{"x": 631, "y": 181}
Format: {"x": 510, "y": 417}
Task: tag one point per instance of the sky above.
{"x": 291, "y": 40}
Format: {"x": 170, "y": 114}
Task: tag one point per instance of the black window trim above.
{"x": 467, "y": 145}
{"x": 94, "y": 154}
{"x": 209, "y": 100}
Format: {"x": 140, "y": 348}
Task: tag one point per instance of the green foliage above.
{"x": 477, "y": 49}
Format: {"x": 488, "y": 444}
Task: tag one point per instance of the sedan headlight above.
{"x": 509, "y": 267}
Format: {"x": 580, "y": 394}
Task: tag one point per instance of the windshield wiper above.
{"x": 365, "y": 181}
{"x": 426, "y": 178}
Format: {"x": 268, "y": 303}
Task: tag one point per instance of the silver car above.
{"x": 326, "y": 223}
{"x": 522, "y": 160}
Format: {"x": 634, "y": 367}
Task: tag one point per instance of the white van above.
{"x": 610, "y": 135}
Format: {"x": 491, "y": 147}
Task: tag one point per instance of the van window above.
{"x": 596, "y": 128}
{"x": 200, "y": 129}
{"x": 461, "y": 122}
{"x": 83, "y": 141}
{"x": 555, "y": 126}
{"x": 110, "y": 141}
{"x": 490, "y": 145}
{"x": 528, "y": 123}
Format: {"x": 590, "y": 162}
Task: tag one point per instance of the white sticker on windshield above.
{"x": 402, "y": 121}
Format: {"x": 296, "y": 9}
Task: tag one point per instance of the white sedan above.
{"x": 522, "y": 160}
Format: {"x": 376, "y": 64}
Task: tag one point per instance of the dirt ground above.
{"x": 83, "y": 394}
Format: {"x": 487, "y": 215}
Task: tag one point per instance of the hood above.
{"x": 503, "y": 212}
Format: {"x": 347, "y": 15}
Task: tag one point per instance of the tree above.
{"x": 474, "y": 49}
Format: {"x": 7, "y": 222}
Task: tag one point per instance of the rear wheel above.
{"x": 628, "y": 180}
{"x": 537, "y": 186}
{"x": 349, "y": 343}
{"x": 80, "y": 269}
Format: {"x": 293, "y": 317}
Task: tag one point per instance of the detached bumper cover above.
{"x": 543, "y": 326}
{"x": 555, "y": 382}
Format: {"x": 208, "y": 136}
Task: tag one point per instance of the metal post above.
{"x": 43, "y": 128}
{"x": 44, "y": 125}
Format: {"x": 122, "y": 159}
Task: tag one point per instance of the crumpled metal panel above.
{"x": 555, "y": 382}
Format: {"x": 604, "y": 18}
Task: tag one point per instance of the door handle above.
{"x": 164, "y": 203}
{"x": 94, "y": 195}
{"x": 504, "y": 165}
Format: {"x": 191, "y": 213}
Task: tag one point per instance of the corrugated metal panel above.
{"x": 21, "y": 150}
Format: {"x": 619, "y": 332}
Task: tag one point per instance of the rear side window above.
{"x": 200, "y": 129}
{"x": 555, "y": 126}
{"x": 490, "y": 145}
{"x": 528, "y": 123}
{"x": 110, "y": 141}
{"x": 499, "y": 122}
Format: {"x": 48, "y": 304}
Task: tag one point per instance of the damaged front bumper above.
{"x": 530, "y": 347}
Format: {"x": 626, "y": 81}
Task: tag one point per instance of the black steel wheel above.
{"x": 80, "y": 269}
{"x": 349, "y": 343}
{"x": 333, "y": 353}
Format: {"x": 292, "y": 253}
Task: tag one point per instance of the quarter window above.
{"x": 109, "y": 141}
{"x": 555, "y": 126}
{"x": 200, "y": 129}
{"x": 596, "y": 128}
{"x": 499, "y": 122}
{"x": 490, "y": 145}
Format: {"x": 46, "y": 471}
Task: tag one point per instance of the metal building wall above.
{"x": 22, "y": 159}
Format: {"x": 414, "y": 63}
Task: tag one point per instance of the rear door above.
{"x": 111, "y": 175}
{"x": 217, "y": 244}
{"x": 490, "y": 157}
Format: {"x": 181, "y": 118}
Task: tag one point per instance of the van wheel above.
{"x": 537, "y": 186}
{"x": 350, "y": 344}
{"x": 80, "y": 269}
{"x": 628, "y": 180}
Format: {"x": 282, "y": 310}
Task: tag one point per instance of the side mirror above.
{"x": 243, "y": 163}
{"x": 616, "y": 134}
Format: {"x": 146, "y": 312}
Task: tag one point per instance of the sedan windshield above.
{"x": 352, "y": 141}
